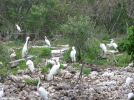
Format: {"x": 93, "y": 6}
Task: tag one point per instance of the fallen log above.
{"x": 16, "y": 62}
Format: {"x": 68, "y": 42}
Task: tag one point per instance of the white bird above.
{"x": 129, "y": 80}
{"x": 25, "y": 48}
{"x": 103, "y": 47}
{"x": 47, "y": 42}
{"x": 50, "y": 61}
{"x": 18, "y": 27}
{"x": 105, "y": 50}
{"x": 54, "y": 70}
{"x": 112, "y": 44}
{"x": 1, "y": 92}
{"x": 30, "y": 65}
{"x": 130, "y": 96}
{"x": 73, "y": 54}
{"x": 13, "y": 55}
{"x": 42, "y": 92}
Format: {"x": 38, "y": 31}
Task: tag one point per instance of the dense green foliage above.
{"x": 78, "y": 30}
{"x": 41, "y": 17}
{"x": 31, "y": 82}
{"x": 128, "y": 43}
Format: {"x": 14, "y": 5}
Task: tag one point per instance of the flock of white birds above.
{"x": 56, "y": 65}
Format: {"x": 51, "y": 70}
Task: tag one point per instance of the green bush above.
{"x": 93, "y": 50}
{"x": 123, "y": 60}
{"x": 45, "y": 53}
{"x": 86, "y": 71}
{"x": 46, "y": 68}
{"x": 128, "y": 44}
{"x": 66, "y": 55}
{"x": 31, "y": 82}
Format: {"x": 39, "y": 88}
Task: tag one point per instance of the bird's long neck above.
{"x": 38, "y": 84}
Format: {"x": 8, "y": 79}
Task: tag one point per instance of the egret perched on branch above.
{"x": 42, "y": 92}
{"x": 47, "y": 42}
{"x": 1, "y": 92}
{"x": 112, "y": 44}
{"x": 73, "y": 54}
{"x": 30, "y": 65}
{"x": 54, "y": 70}
{"x": 25, "y": 48}
{"x": 18, "y": 27}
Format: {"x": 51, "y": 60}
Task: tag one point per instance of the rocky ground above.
{"x": 105, "y": 84}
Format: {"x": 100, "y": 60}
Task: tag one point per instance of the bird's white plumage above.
{"x": 42, "y": 92}
{"x": 73, "y": 54}
{"x": 112, "y": 44}
{"x": 13, "y": 54}
{"x": 18, "y": 27}
{"x": 51, "y": 61}
{"x": 30, "y": 65}
{"x": 103, "y": 47}
{"x": 129, "y": 80}
{"x": 25, "y": 48}
{"x": 47, "y": 42}
{"x": 54, "y": 70}
{"x": 130, "y": 96}
{"x": 1, "y": 92}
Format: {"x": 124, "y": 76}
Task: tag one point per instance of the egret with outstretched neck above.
{"x": 25, "y": 48}
{"x": 42, "y": 92}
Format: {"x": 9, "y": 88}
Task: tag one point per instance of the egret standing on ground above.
{"x": 54, "y": 70}
{"x": 18, "y": 27}
{"x": 73, "y": 54}
{"x": 42, "y": 92}
{"x": 13, "y": 55}
{"x": 25, "y": 48}
{"x": 47, "y": 42}
{"x": 30, "y": 65}
{"x": 1, "y": 93}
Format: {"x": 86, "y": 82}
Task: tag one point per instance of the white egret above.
{"x": 25, "y": 48}
{"x": 129, "y": 80}
{"x": 105, "y": 50}
{"x": 73, "y": 54}
{"x": 47, "y": 42}
{"x": 1, "y": 92}
{"x": 50, "y": 61}
{"x": 112, "y": 44}
{"x": 30, "y": 65}
{"x": 13, "y": 55}
{"x": 130, "y": 96}
{"x": 42, "y": 92}
{"x": 54, "y": 70}
{"x": 18, "y": 27}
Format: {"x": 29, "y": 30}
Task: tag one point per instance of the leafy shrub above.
{"x": 46, "y": 68}
{"x": 45, "y": 53}
{"x": 4, "y": 55}
{"x": 123, "y": 60}
{"x": 31, "y": 82}
{"x": 86, "y": 71}
{"x": 61, "y": 66}
{"x": 93, "y": 50}
{"x": 128, "y": 44}
{"x": 66, "y": 55}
